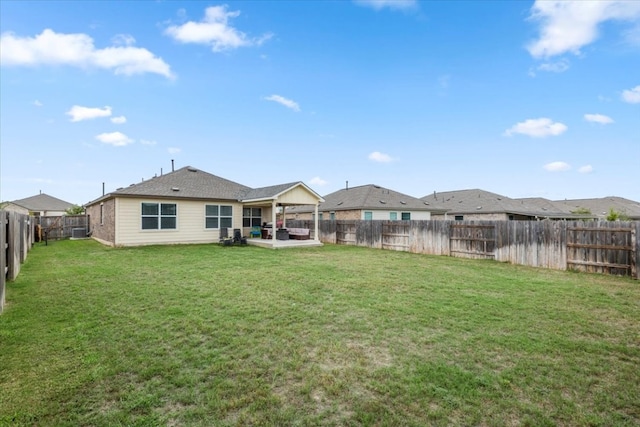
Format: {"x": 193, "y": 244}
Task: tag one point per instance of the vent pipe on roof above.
{"x": 160, "y": 171}
{"x": 172, "y": 169}
{"x": 103, "y": 188}
{"x": 347, "y": 187}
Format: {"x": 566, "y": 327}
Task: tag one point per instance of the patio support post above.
{"x": 284, "y": 216}
{"x": 273, "y": 220}
{"x": 316, "y": 236}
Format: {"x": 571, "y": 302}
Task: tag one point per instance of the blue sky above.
{"x": 522, "y": 98}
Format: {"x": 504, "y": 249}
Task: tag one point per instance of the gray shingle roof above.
{"x": 43, "y": 202}
{"x": 372, "y": 197}
{"x": 267, "y": 192}
{"x": 480, "y": 201}
{"x": 186, "y": 183}
{"x": 600, "y": 206}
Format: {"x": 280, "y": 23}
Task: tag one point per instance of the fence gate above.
{"x": 473, "y": 240}
{"x": 602, "y": 249}
{"x": 346, "y": 233}
{"x": 395, "y": 235}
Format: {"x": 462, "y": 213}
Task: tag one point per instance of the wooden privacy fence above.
{"x": 63, "y": 227}
{"x": 596, "y": 246}
{"x": 16, "y": 240}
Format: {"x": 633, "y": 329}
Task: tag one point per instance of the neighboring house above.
{"x": 478, "y": 204}
{"x": 601, "y": 207}
{"x": 188, "y": 206}
{"x": 368, "y": 202}
{"x": 39, "y": 205}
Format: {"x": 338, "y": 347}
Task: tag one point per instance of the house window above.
{"x": 332, "y": 216}
{"x": 459, "y": 217}
{"x": 251, "y": 217}
{"x": 218, "y": 216}
{"x": 159, "y": 216}
{"x": 368, "y": 215}
{"x": 406, "y": 216}
{"x": 319, "y": 216}
{"x": 393, "y": 216}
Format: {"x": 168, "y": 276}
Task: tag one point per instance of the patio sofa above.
{"x": 299, "y": 233}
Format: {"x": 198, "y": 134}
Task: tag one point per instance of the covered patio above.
{"x": 283, "y": 244}
{"x": 270, "y": 200}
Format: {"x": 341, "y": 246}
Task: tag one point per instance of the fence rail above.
{"x": 595, "y": 247}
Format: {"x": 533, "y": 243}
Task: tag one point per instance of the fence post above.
{"x": 13, "y": 239}
{"x": 23, "y": 238}
{"x": 635, "y": 242}
{"x": 4, "y": 222}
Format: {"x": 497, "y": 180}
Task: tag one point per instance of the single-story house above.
{"x": 599, "y": 207}
{"x": 476, "y": 204}
{"x": 367, "y": 202}
{"x": 188, "y": 206}
{"x": 38, "y": 205}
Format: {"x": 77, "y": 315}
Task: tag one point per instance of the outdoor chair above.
{"x": 225, "y": 240}
{"x": 255, "y": 231}
{"x": 238, "y": 238}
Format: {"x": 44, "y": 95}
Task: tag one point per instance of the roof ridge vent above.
{"x": 190, "y": 169}
{"x": 175, "y": 189}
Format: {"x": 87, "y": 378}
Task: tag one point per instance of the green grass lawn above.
{"x": 337, "y": 335}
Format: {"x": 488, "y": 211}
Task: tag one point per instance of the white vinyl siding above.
{"x": 190, "y": 223}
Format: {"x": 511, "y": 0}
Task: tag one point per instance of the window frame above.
{"x": 458, "y": 218}
{"x": 407, "y": 215}
{"x": 219, "y": 216}
{"x": 254, "y": 221}
{"x": 159, "y": 216}
{"x": 393, "y": 216}
{"x": 368, "y": 214}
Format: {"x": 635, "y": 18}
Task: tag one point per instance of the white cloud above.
{"x": 632, "y": 96}
{"x": 585, "y": 169}
{"x": 391, "y": 4}
{"x": 174, "y": 150}
{"x": 147, "y": 142}
{"x": 377, "y": 156}
{"x": 37, "y": 103}
{"x": 79, "y": 113}
{"x": 568, "y": 25}
{"x": 555, "y": 67}
{"x": 557, "y": 166}
{"x": 283, "y": 101}
{"x": 51, "y": 48}
{"x": 123, "y": 40}
{"x": 119, "y": 120}
{"x": 214, "y": 30}
{"x": 317, "y": 181}
{"x": 117, "y": 139}
{"x": 598, "y": 118}
{"x": 537, "y": 128}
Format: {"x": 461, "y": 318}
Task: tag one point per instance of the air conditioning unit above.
{"x": 79, "y": 233}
